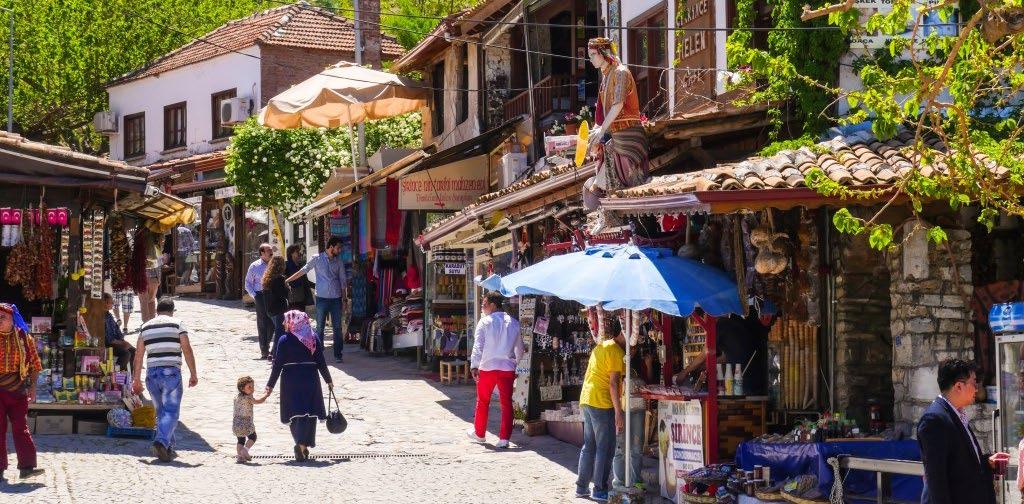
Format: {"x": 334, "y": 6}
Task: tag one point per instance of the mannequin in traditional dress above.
{"x": 618, "y": 140}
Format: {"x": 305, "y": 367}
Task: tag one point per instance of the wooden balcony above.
{"x": 553, "y": 94}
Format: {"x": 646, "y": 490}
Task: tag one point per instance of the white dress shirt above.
{"x": 497, "y": 345}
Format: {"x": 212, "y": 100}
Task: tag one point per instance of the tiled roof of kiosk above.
{"x": 857, "y": 159}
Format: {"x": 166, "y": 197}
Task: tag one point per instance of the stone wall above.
{"x": 283, "y": 67}
{"x": 929, "y": 322}
{"x": 863, "y": 352}
{"x": 497, "y": 68}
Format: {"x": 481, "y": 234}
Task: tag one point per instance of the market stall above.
{"x": 67, "y": 222}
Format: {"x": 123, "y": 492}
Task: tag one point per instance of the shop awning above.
{"x": 163, "y": 210}
{"x": 482, "y": 144}
{"x": 26, "y": 162}
{"x": 353, "y": 191}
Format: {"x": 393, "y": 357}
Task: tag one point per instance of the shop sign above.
{"x": 194, "y": 200}
{"x": 454, "y": 268}
{"x": 695, "y": 52}
{"x": 452, "y": 186}
{"x": 521, "y": 389}
{"x": 226, "y": 192}
{"x": 680, "y": 444}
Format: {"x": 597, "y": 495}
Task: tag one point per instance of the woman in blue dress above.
{"x": 299, "y": 357}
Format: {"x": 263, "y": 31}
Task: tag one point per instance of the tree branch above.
{"x": 809, "y": 14}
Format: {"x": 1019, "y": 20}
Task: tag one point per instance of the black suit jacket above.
{"x": 955, "y": 472}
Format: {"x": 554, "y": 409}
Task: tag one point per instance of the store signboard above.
{"x": 194, "y": 200}
{"x": 454, "y": 268}
{"x": 521, "y": 389}
{"x": 695, "y": 53}
{"x": 226, "y": 192}
{"x": 449, "y": 187}
{"x": 680, "y": 444}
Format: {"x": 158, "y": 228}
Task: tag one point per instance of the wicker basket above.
{"x": 769, "y": 496}
{"x": 699, "y": 499}
{"x": 800, "y": 500}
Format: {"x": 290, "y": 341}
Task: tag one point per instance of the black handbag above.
{"x": 336, "y": 423}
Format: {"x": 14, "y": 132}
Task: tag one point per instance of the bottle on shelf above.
{"x": 728, "y": 380}
{"x": 737, "y": 380}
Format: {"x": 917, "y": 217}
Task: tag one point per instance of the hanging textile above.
{"x": 394, "y": 215}
{"x": 364, "y": 225}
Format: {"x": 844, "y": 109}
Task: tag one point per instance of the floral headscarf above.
{"x": 297, "y": 323}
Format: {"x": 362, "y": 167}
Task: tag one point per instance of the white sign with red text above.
{"x": 449, "y": 187}
{"x": 680, "y": 444}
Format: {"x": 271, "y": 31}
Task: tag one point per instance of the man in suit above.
{"x": 955, "y": 466}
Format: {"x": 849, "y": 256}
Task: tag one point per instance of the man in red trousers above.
{"x": 497, "y": 347}
{"x": 19, "y": 368}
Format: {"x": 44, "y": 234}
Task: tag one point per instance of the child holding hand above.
{"x": 243, "y": 425}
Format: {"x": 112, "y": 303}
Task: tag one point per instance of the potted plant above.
{"x": 571, "y": 121}
{"x": 586, "y": 114}
{"x": 555, "y": 129}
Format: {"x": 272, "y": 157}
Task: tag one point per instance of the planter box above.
{"x": 569, "y": 432}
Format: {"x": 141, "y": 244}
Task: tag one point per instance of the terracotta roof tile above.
{"x": 857, "y": 159}
{"x": 296, "y": 25}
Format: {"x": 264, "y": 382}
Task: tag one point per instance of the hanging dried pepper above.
{"x": 137, "y": 267}
{"x": 42, "y": 282}
{"x": 21, "y": 262}
{"x": 120, "y": 253}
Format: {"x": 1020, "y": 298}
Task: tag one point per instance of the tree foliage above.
{"x": 285, "y": 169}
{"x": 67, "y": 50}
{"x": 396, "y": 21}
{"x": 962, "y": 87}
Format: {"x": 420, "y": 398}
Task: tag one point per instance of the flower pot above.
{"x": 570, "y": 129}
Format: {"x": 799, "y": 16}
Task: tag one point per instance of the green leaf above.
{"x": 937, "y": 235}
{"x": 880, "y": 237}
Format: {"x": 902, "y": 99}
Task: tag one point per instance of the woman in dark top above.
{"x": 275, "y": 291}
{"x": 301, "y": 292}
{"x": 300, "y": 355}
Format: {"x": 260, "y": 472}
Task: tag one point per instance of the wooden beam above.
{"x": 717, "y": 126}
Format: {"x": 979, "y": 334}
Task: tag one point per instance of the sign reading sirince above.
{"x": 451, "y": 186}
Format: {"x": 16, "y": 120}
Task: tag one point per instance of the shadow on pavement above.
{"x": 173, "y": 463}
{"x": 20, "y": 488}
{"x": 187, "y": 440}
{"x": 461, "y": 402}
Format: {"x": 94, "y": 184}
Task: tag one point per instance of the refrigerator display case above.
{"x": 1007, "y": 323}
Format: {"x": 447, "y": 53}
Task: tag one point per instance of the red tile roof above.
{"x": 296, "y": 25}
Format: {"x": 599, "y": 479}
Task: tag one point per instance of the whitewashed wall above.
{"x": 193, "y": 84}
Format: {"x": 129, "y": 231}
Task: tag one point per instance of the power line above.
{"x": 330, "y": 15}
{"x": 455, "y": 17}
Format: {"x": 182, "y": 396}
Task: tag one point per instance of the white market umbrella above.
{"x": 342, "y": 95}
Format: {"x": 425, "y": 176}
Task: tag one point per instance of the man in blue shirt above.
{"x": 123, "y": 351}
{"x": 254, "y": 286}
{"x": 331, "y": 288}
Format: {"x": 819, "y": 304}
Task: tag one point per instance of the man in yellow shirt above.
{"x": 602, "y": 415}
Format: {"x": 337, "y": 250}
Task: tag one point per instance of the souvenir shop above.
{"x": 79, "y": 227}
{"x": 769, "y": 385}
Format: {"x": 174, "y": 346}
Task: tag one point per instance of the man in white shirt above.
{"x": 497, "y": 347}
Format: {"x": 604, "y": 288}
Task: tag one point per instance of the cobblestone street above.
{"x": 393, "y": 408}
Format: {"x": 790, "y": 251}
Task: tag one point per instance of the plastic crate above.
{"x": 133, "y": 432}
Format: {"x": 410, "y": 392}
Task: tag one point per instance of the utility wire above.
{"x": 455, "y": 17}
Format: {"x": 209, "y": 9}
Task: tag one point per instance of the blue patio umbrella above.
{"x": 626, "y": 276}
{"x": 630, "y": 277}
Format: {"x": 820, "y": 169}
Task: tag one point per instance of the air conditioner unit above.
{"x": 234, "y": 110}
{"x": 105, "y": 122}
{"x": 512, "y": 167}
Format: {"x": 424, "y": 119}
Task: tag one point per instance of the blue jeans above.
{"x": 332, "y": 306}
{"x": 636, "y": 432}
{"x": 164, "y": 384}
{"x": 598, "y": 449}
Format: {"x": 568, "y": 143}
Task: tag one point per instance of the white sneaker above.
{"x": 471, "y": 433}
{"x": 503, "y": 443}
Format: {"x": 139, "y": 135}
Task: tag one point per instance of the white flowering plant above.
{"x": 286, "y": 169}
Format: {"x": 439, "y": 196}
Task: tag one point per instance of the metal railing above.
{"x": 884, "y": 469}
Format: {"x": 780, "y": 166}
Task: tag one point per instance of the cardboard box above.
{"x": 91, "y": 428}
{"x": 54, "y": 424}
